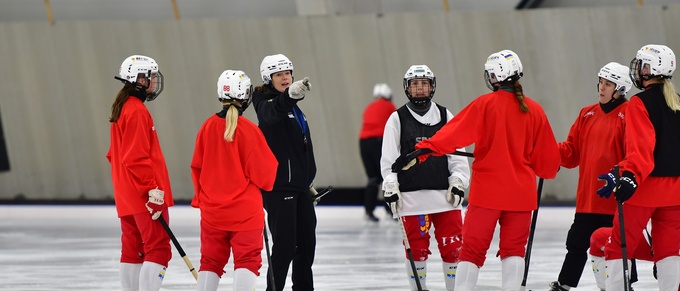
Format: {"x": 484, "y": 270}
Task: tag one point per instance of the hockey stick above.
{"x": 270, "y": 269}
{"x": 530, "y": 243}
{"x": 178, "y": 247}
{"x": 622, "y": 229}
{"x": 416, "y": 277}
{"x": 464, "y": 154}
{"x": 323, "y": 193}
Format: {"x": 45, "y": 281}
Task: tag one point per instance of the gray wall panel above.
{"x": 58, "y": 81}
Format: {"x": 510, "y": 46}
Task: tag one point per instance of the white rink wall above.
{"x": 57, "y": 81}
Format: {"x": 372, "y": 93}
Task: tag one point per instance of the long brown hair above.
{"x": 117, "y": 106}
{"x": 520, "y": 97}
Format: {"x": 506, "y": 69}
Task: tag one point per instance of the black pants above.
{"x": 371, "y": 150}
{"x": 578, "y": 242}
{"x": 292, "y": 221}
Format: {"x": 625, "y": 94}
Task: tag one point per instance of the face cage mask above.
{"x": 420, "y": 101}
{"x": 492, "y": 86}
{"x": 158, "y": 79}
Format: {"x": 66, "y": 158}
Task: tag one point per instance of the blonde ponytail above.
{"x": 520, "y": 97}
{"x": 671, "y": 95}
{"x": 232, "y": 121}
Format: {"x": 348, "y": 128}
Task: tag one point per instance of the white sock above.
{"x": 244, "y": 280}
{"x": 151, "y": 276}
{"x": 614, "y": 280}
{"x": 450, "y": 275}
{"x": 466, "y": 276}
{"x": 208, "y": 281}
{"x": 512, "y": 269}
{"x": 421, "y": 267}
{"x": 599, "y": 270}
{"x": 668, "y": 272}
{"x": 129, "y": 276}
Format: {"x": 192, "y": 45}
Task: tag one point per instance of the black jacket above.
{"x": 282, "y": 123}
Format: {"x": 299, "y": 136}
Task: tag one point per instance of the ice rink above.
{"x": 78, "y": 247}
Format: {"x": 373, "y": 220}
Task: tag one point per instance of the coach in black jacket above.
{"x": 290, "y": 209}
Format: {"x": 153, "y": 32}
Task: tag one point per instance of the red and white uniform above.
{"x": 375, "y": 117}
{"x": 227, "y": 180}
{"x": 511, "y": 149}
{"x": 137, "y": 166}
{"x": 595, "y": 143}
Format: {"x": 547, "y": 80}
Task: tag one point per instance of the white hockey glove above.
{"x": 156, "y": 203}
{"x": 455, "y": 195}
{"x": 298, "y": 89}
{"x": 393, "y": 197}
{"x": 313, "y": 193}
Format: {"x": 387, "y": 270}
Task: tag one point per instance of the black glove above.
{"x": 405, "y": 162}
{"x": 625, "y": 187}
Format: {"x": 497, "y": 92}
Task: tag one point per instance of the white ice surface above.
{"x": 78, "y": 248}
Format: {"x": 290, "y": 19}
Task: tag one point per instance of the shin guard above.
{"x": 421, "y": 267}
{"x": 129, "y": 276}
{"x": 599, "y": 271}
{"x": 151, "y": 276}
{"x": 208, "y": 281}
{"x": 512, "y": 269}
{"x": 466, "y": 276}
{"x": 244, "y": 280}
{"x": 668, "y": 272}
{"x": 450, "y": 275}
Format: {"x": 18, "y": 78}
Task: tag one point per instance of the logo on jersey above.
{"x": 153, "y": 128}
{"x": 621, "y": 115}
{"x": 589, "y": 113}
{"x": 421, "y": 138}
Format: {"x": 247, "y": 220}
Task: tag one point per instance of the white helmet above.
{"x": 419, "y": 72}
{"x": 503, "y": 66}
{"x": 274, "y": 64}
{"x": 382, "y": 90}
{"x": 234, "y": 85}
{"x": 659, "y": 60}
{"x": 136, "y": 66}
{"x": 618, "y": 74}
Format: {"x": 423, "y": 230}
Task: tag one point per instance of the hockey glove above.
{"x": 626, "y": 187}
{"x": 455, "y": 195}
{"x": 298, "y": 88}
{"x": 393, "y": 197}
{"x": 610, "y": 181}
{"x": 405, "y": 162}
{"x": 156, "y": 203}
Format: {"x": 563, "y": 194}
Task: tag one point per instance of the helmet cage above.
{"x": 657, "y": 60}
{"x": 419, "y": 72}
{"x": 137, "y": 66}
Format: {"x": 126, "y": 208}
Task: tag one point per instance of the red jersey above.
{"x": 594, "y": 143}
{"x": 640, "y": 142}
{"x": 137, "y": 162}
{"x": 228, "y": 176}
{"x": 511, "y": 149}
{"x": 375, "y": 118}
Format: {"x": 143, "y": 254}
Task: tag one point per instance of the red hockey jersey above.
{"x": 375, "y": 117}
{"x": 511, "y": 149}
{"x": 137, "y": 162}
{"x": 228, "y": 176}
{"x": 594, "y": 144}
